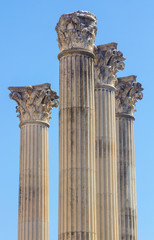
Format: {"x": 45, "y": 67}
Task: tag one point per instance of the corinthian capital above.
{"x": 34, "y": 102}
{"x": 108, "y": 61}
{"x": 76, "y": 30}
{"x": 128, "y": 92}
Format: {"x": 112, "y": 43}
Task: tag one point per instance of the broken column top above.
{"x": 34, "y": 102}
{"x": 76, "y": 30}
{"x": 128, "y": 92}
{"x": 108, "y": 61}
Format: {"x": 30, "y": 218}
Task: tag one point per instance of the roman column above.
{"x": 128, "y": 92}
{"x": 76, "y": 35}
{"x": 34, "y": 105}
{"x": 108, "y": 61}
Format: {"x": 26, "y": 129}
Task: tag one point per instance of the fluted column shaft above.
{"x": 107, "y": 62}
{"x": 34, "y": 105}
{"x": 33, "y": 219}
{"x": 77, "y": 205}
{"x": 128, "y": 92}
{"x": 107, "y": 205}
{"x": 126, "y": 177}
{"x": 76, "y": 160}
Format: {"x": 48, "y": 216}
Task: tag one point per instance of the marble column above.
{"x": 34, "y": 105}
{"x": 77, "y": 215}
{"x": 127, "y": 93}
{"x": 108, "y": 61}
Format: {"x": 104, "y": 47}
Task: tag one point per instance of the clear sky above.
{"x": 28, "y": 56}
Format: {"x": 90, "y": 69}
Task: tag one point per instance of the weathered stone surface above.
{"x": 106, "y": 170}
{"x": 77, "y": 196}
{"x": 33, "y": 214}
{"x": 127, "y": 204}
{"x": 77, "y": 216}
{"x": 34, "y": 102}
{"x": 76, "y": 30}
{"x": 128, "y": 92}
{"x": 34, "y": 105}
{"x": 108, "y": 61}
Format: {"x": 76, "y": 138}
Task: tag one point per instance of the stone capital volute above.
{"x": 76, "y": 31}
{"x": 34, "y": 103}
{"x": 108, "y": 61}
{"x": 128, "y": 92}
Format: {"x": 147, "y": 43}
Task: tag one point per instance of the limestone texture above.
{"x": 108, "y": 61}
{"x": 128, "y": 92}
{"x": 76, "y": 30}
{"x": 34, "y": 105}
{"x": 77, "y": 196}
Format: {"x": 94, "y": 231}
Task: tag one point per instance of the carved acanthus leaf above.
{"x": 34, "y": 102}
{"x": 128, "y": 92}
{"x": 76, "y": 30}
{"x": 108, "y": 61}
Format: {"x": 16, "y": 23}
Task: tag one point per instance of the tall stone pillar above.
{"x": 34, "y": 105}
{"x": 76, "y": 34}
{"x": 108, "y": 61}
{"x": 127, "y": 93}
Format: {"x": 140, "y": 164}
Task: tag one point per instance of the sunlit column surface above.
{"x": 34, "y": 105}
{"x": 108, "y": 61}
{"x": 77, "y": 216}
{"x": 128, "y": 91}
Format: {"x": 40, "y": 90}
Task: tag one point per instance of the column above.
{"x": 128, "y": 92}
{"x": 34, "y": 105}
{"x": 108, "y": 61}
{"x": 76, "y": 34}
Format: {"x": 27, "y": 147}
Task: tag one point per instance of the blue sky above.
{"x": 28, "y": 56}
